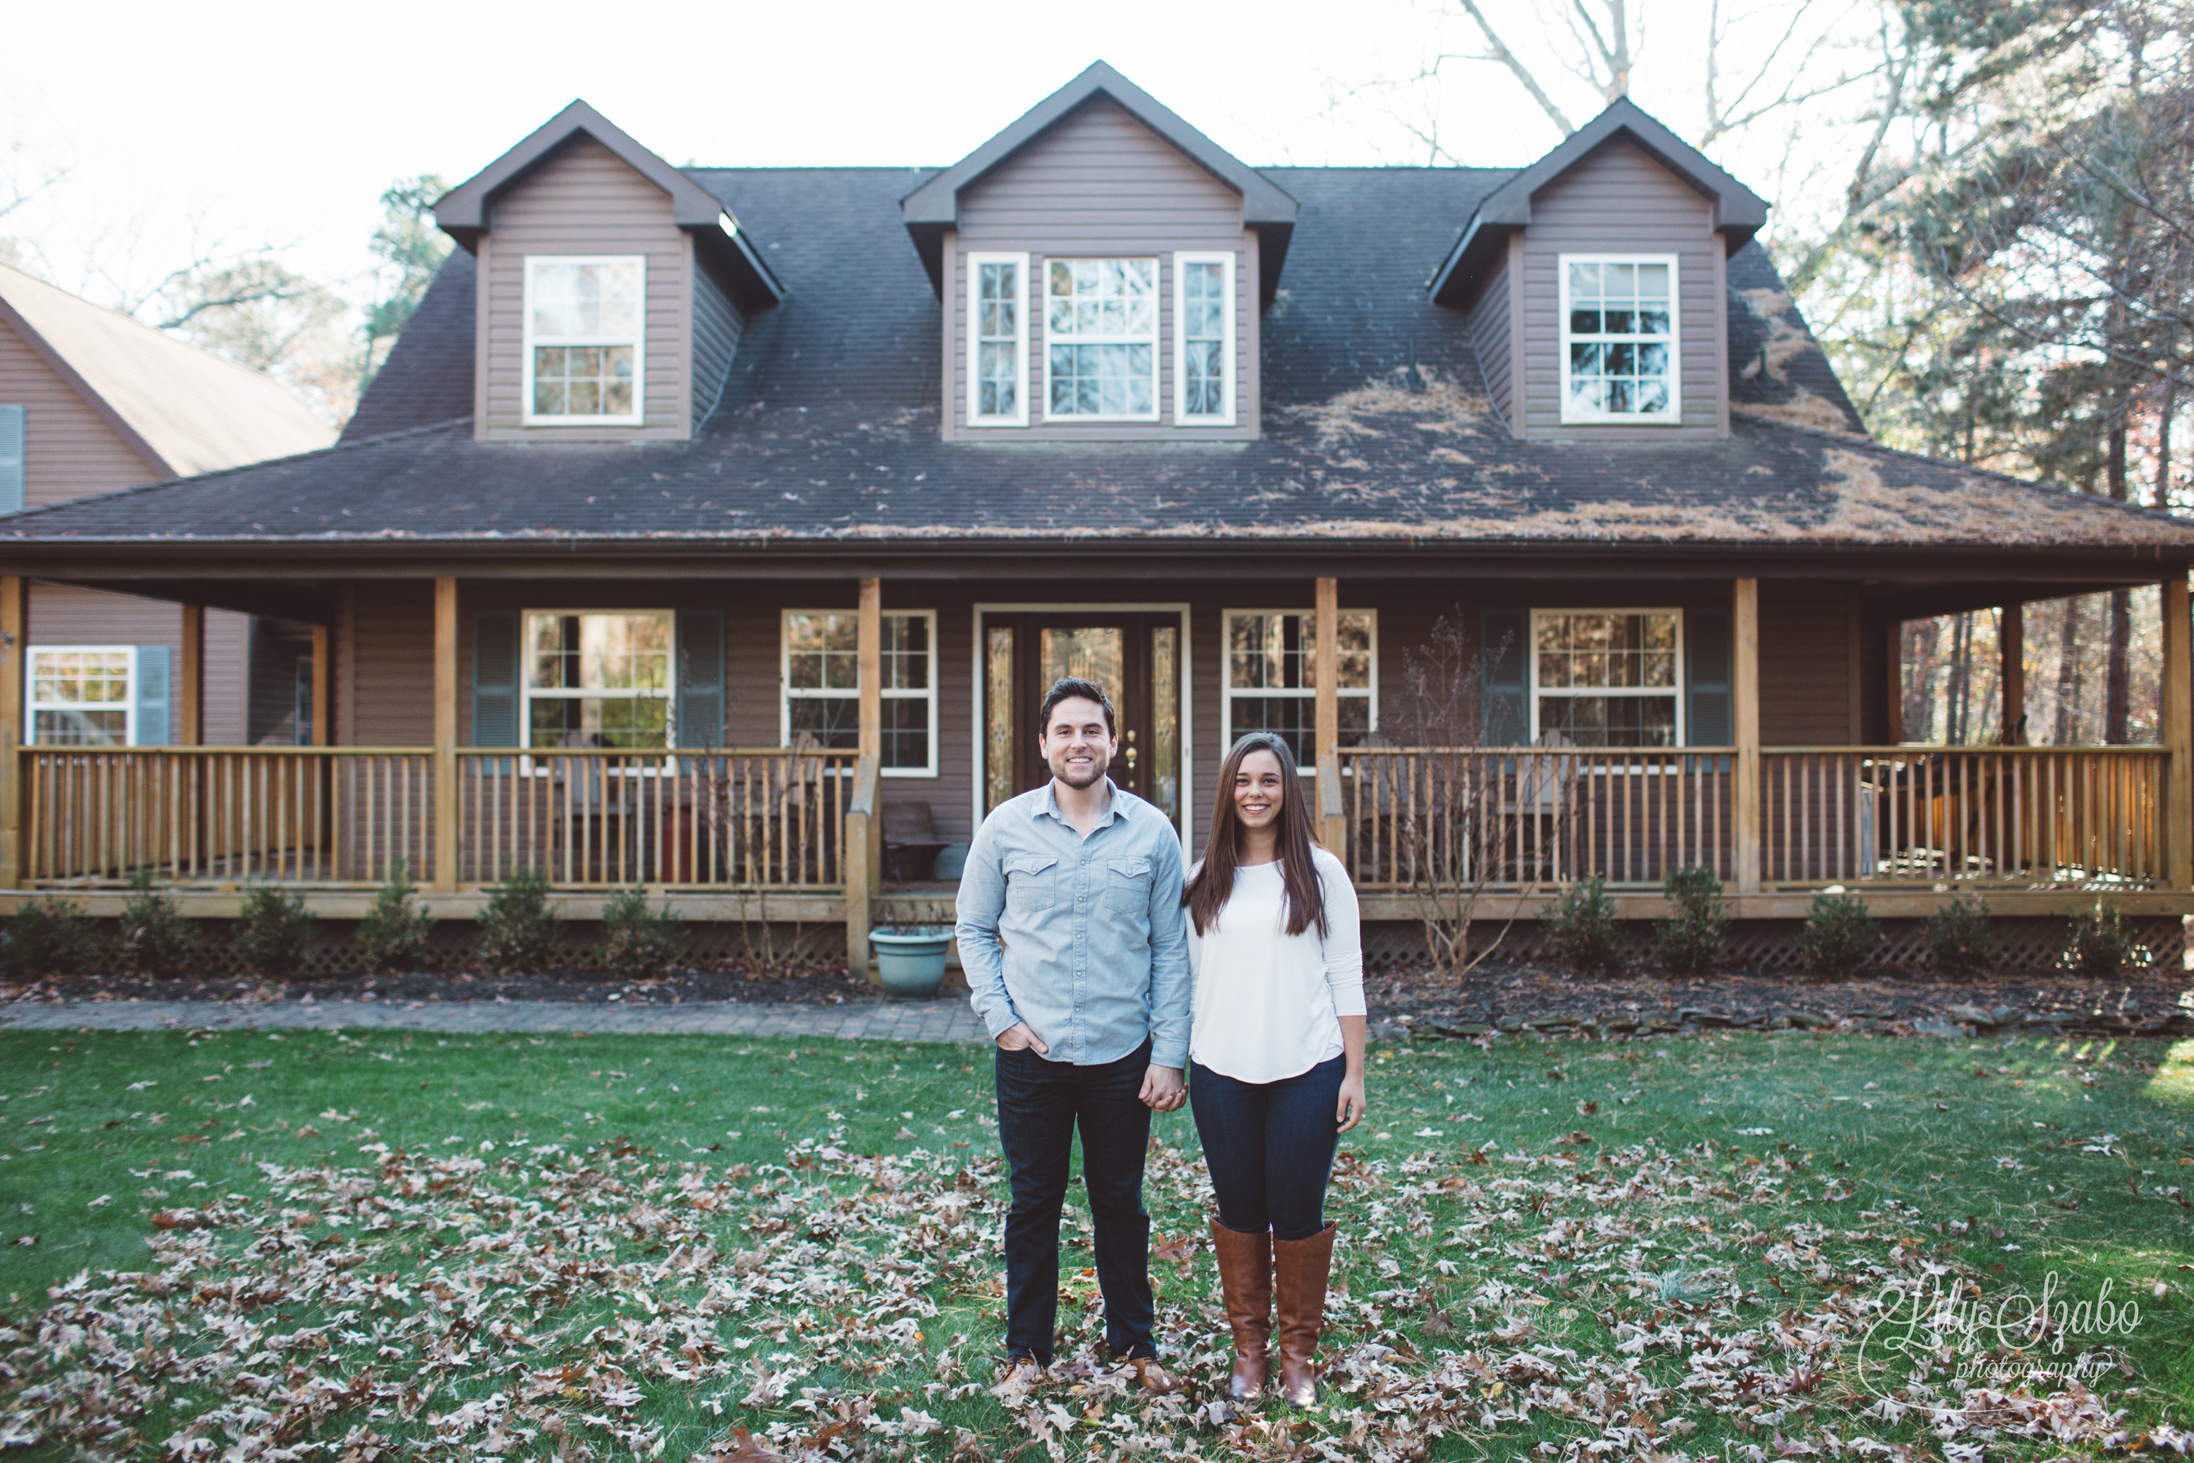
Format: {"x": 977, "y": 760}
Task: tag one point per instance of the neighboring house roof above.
{"x": 182, "y": 410}
{"x": 1266, "y": 207}
{"x": 1739, "y": 212}
{"x": 827, "y": 432}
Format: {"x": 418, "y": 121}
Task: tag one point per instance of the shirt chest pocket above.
{"x": 1127, "y": 884}
{"x": 1029, "y": 878}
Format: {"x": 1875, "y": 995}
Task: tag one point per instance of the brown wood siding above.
{"x": 584, "y": 200}
{"x": 1101, "y": 183}
{"x": 1619, "y": 200}
{"x": 717, "y": 326}
{"x": 392, "y": 660}
{"x": 1805, "y": 665}
{"x": 69, "y": 450}
{"x": 1489, "y": 337}
{"x": 276, "y": 648}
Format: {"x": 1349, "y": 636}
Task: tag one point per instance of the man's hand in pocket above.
{"x": 1018, "y": 1037}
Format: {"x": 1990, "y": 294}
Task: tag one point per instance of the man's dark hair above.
{"x": 1074, "y": 688}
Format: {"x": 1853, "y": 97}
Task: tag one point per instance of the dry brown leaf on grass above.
{"x": 740, "y": 1447}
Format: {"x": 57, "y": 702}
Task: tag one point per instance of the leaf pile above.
{"x": 608, "y": 1303}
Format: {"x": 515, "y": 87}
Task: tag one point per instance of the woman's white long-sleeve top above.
{"x": 1268, "y": 1004}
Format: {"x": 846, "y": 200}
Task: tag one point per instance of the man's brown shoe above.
{"x": 1245, "y": 1273}
{"x": 1024, "y": 1374}
{"x": 1152, "y": 1377}
{"x": 1300, "y": 1268}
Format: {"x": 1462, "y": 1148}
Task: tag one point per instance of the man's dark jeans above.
{"x": 1040, "y": 1105}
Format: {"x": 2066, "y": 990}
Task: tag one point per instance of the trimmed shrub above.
{"x": 1961, "y": 943}
{"x": 517, "y": 931}
{"x": 1839, "y": 936}
{"x": 153, "y": 937}
{"x": 1583, "y": 929}
{"x": 393, "y": 935}
{"x": 48, "y": 937}
{"x": 273, "y": 932}
{"x": 641, "y": 942}
{"x": 2100, "y": 942}
{"x": 1689, "y": 941}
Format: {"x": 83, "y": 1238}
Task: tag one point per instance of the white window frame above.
{"x": 526, "y": 690}
{"x": 790, "y": 693}
{"x": 975, "y": 417}
{"x": 638, "y": 415}
{"x": 1231, "y": 388}
{"x": 1674, "y": 415}
{"x": 1573, "y": 692}
{"x": 1228, "y": 691}
{"x": 1155, "y": 340}
{"x": 32, "y": 706}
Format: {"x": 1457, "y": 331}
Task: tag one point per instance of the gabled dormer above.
{"x": 612, "y": 288}
{"x": 1593, "y": 281}
{"x": 1102, "y": 267}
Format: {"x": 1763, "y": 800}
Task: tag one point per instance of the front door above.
{"x": 1135, "y": 657}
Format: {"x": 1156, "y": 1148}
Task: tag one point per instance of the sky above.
{"x": 228, "y": 128}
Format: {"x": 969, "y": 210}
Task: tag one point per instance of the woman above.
{"x": 1276, "y": 1054}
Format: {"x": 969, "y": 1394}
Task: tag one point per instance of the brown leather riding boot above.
{"x": 1245, "y": 1271}
{"x": 1300, "y": 1267}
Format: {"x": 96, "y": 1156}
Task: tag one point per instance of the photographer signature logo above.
{"x": 1942, "y": 1323}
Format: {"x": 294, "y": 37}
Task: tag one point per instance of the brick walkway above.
{"x": 947, "y": 1018}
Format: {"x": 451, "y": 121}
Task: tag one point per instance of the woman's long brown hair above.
{"x": 1208, "y": 891}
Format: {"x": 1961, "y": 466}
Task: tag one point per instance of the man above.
{"x": 1076, "y": 954}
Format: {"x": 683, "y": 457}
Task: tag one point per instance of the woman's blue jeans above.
{"x": 1269, "y": 1146}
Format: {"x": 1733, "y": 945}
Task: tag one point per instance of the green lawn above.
{"x": 397, "y": 1244}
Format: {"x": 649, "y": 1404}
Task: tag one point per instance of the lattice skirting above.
{"x": 2027, "y": 943}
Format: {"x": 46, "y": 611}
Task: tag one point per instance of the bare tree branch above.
{"x": 1517, "y": 69}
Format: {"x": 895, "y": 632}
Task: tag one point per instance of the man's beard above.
{"x": 1095, "y": 770}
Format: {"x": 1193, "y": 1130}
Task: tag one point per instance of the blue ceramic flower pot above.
{"x": 911, "y": 961}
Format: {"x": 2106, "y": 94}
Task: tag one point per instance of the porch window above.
{"x": 997, "y": 339}
{"x": 598, "y": 678}
{"x": 1272, "y": 677}
{"x": 1619, "y": 336}
{"x": 1607, "y": 678}
{"x": 1101, "y": 347}
{"x": 1203, "y": 346}
{"x": 822, "y": 680}
{"x": 584, "y": 347}
{"x": 80, "y": 695}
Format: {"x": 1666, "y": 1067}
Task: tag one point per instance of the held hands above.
{"x": 1163, "y": 1089}
{"x": 1350, "y": 1110}
{"x": 1018, "y": 1037}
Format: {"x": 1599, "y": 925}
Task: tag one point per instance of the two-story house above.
{"x": 707, "y": 523}
{"x": 92, "y": 401}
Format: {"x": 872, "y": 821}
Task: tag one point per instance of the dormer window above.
{"x": 1101, "y": 346}
{"x": 1619, "y": 332}
{"x": 997, "y": 339}
{"x": 584, "y": 349}
{"x": 1203, "y": 313}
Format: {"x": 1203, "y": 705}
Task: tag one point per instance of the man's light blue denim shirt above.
{"x": 1082, "y": 938}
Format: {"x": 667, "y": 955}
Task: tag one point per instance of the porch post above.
{"x": 445, "y": 736}
{"x": 1326, "y": 723}
{"x": 322, "y": 728}
{"x": 2178, "y": 730}
{"x": 1745, "y": 795}
{"x": 2011, "y": 652}
{"x": 190, "y": 680}
{"x": 14, "y": 657}
{"x": 864, "y": 852}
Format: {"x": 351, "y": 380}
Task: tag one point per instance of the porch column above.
{"x": 2011, "y": 653}
{"x": 322, "y": 727}
{"x": 2178, "y": 730}
{"x": 445, "y": 736}
{"x": 1326, "y": 723}
{"x": 190, "y": 680}
{"x": 14, "y": 658}
{"x": 864, "y": 850}
{"x": 1745, "y": 689}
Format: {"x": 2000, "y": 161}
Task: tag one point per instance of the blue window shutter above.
{"x": 152, "y": 695}
{"x": 495, "y": 679}
{"x": 1707, "y": 660}
{"x": 700, "y": 679}
{"x": 12, "y": 457}
{"x": 1504, "y": 700}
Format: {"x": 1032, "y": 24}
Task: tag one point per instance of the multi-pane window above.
{"x": 1204, "y": 327}
{"x": 998, "y": 333}
{"x": 1606, "y": 678}
{"x": 80, "y": 695}
{"x": 1272, "y": 676}
{"x": 1101, "y": 338}
{"x": 1619, "y": 353}
{"x": 598, "y": 678}
{"x": 584, "y": 319}
{"x": 822, "y": 650}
